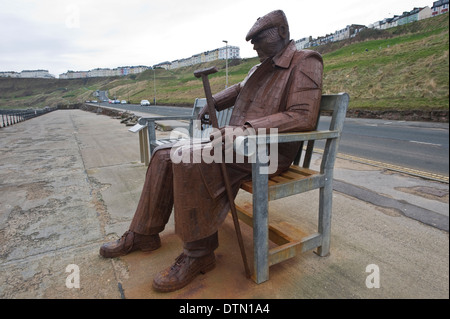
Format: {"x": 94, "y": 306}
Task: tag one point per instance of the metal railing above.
{"x": 11, "y": 117}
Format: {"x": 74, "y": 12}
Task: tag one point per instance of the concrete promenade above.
{"x": 70, "y": 180}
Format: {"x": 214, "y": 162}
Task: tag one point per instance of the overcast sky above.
{"x": 61, "y": 35}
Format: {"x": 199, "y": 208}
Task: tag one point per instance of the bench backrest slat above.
{"x": 330, "y": 103}
{"x": 223, "y": 118}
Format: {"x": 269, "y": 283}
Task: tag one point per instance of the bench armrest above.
{"x": 145, "y": 120}
{"x": 245, "y": 145}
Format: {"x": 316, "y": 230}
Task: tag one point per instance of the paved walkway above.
{"x": 70, "y": 180}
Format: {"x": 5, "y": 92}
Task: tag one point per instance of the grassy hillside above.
{"x": 25, "y": 93}
{"x": 403, "y": 68}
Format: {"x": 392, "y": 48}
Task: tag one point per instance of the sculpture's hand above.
{"x": 225, "y": 136}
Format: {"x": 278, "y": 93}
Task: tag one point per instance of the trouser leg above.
{"x": 197, "y": 191}
{"x": 201, "y": 203}
{"x": 201, "y": 247}
{"x": 156, "y": 201}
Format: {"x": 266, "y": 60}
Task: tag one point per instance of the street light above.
{"x": 226, "y": 62}
{"x": 154, "y": 84}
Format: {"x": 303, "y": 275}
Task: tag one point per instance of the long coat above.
{"x": 284, "y": 93}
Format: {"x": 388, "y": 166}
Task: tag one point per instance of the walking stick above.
{"x": 213, "y": 118}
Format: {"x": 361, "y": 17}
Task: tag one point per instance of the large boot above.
{"x": 129, "y": 242}
{"x": 183, "y": 271}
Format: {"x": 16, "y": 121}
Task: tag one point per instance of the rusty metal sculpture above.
{"x": 282, "y": 92}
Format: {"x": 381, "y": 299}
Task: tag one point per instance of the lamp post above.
{"x": 226, "y": 62}
{"x": 154, "y": 83}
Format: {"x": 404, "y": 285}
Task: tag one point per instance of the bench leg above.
{"x": 145, "y": 149}
{"x": 325, "y": 206}
{"x": 151, "y": 135}
{"x": 141, "y": 145}
{"x": 260, "y": 244}
{"x": 260, "y": 225}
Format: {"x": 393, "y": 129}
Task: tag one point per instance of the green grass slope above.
{"x": 401, "y": 71}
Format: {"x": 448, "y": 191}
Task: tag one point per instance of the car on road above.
{"x": 145, "y": 103}
{"x": 123, "y": 102}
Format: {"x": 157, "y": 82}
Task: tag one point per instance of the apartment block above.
{"x": 42, "y": 74}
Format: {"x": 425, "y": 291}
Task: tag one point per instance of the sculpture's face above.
{"x": 268, "y": 43}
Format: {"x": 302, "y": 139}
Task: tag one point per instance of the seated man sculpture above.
{"x": 282, "y": 92}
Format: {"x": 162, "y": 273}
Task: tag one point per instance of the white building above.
{"x": 9, "y": 74}
{"x": 390, "y": 22}
{"x": 102, "y": 72}
{"x": 415, "y": 15}
{"x": 98, "y": 72}
{"x": 74, "y": 75}
{"x": 302, "y": 43}
{"x": 348, "y": 32}
{"x": 181, "y": 63}
{"x": 209, "y": 56}
{"x": 138, "y": 69}
{"x": 196, "y": 59}
{"x": 439, "y": 7}
{"x": 42, "y": 74}
{"x": 426, "y": 12}
{"x": 230, "y": 52}
{"x": 233, "y": 52}
{"x": 164, "y": 65}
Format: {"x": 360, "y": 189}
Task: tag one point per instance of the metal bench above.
{"x": 149, "y": 124}
{"x": 297, "y": 179}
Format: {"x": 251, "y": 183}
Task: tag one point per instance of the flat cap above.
{"x": 273, "y": 19}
